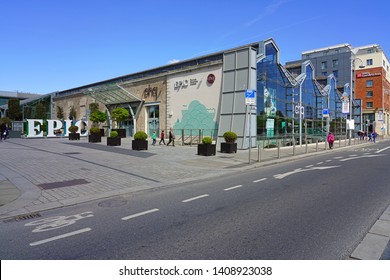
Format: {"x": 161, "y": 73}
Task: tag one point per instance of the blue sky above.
{"x": 51, "y": 45}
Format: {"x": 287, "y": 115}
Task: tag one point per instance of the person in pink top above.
{"x": 330, "y": 140}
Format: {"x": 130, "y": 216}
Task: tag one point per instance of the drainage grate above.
{"x": 23, "y": 217}
{"x": 61, "y": 184}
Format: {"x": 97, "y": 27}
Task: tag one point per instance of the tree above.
{"x": 60, "y": 113}
{"x": 120, "y": 114}
{"x": 72, "y": 114}
{"x": 97, "y": 117}
{"x": 94, "y": 107}
{"x": 40, "y": 111}
{"x": 14, "y": 111}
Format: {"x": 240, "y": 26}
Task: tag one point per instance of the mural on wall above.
{"x": 197, "y": 116}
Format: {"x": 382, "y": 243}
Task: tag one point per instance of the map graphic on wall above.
{"x": 197, "y": 116}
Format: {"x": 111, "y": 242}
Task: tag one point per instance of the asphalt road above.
{"x": 319, "y": 207}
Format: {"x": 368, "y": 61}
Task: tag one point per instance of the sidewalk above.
{"x": 42, "y": 174}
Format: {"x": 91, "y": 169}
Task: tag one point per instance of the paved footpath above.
{"x": 42, "y": 174}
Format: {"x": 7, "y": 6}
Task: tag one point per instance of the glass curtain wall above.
{"x": 280, "y": 116}
{"x": 274, "y": 110}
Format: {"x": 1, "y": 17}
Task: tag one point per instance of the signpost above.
{"x": 250, "y": 100}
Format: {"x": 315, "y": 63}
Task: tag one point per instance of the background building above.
{"x": 357, "y": 66}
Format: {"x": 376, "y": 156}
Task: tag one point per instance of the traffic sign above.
{"x": 325, "y": 113}
{"x": 250, "y": 97}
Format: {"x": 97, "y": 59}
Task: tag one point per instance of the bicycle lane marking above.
{"x": 61, "y": 236}
{"x": 56, "y": 222}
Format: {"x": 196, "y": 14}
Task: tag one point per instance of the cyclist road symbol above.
{"x": 52, "y": 223}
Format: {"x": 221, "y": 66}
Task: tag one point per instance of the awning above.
{"x": 111, "y": 94}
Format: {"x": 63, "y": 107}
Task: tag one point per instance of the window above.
{"x": 369, "y": 93}
{"x": 369, "y": 61}
{"x": 324, "y": 65}
{"x": 370, "y": 51}
{"x": 369, "y": 83}
{"x": 384, "y": 63}
{"x": 335, "y": 63}
{"x": 369, "y": 104}
{"x": 324, "y": 73}
{"x": 336, "y": 73}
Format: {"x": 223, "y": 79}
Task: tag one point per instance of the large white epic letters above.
{"x": 35, "y": 127}
{"x": 51, "y": 126}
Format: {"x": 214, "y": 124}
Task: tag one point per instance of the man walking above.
{"x": 171, "y": 137}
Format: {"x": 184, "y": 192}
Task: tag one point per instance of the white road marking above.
{"x": 140, "y": 214}
{"x": 321, "y": 162}
{"x": 379, "y": 151}
{"x": 281, "y": 176}
{"x": 60, "y": 236}
{"x": 232, "y": 188}
{"x": 194, "y": 198}
{"x": 363, "y": 156}
{"x": 328, "y": 160}
{"x": 262, "y": 179}
{"x": 311, "y": 165}
{"x": 337, "y": 157}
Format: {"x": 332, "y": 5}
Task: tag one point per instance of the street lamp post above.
{"x": 351, "y": 97}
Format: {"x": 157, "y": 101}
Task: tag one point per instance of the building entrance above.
{"x": 153, "y": 119}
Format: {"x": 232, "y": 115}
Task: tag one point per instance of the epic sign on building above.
{"x": 35, "y": 127}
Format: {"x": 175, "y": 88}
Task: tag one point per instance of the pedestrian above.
{"x": 162, "y": 137}
{"x": 374, "y": 136}
{"x": 154, "y": 136}
{"x": 330, "y": 140}
{"x": 6, "y": 132}
{"x": 370, "y": 136}
{"x": 3, "y": 129}
{"x": 171, "y": 137}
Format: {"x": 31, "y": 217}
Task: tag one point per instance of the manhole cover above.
{"x": 114, "y": 202}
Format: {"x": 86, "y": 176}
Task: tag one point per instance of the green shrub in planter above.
{"x": 73, "y": 135}
{"x": 230, "y": 136}
{"x": 94, "y": 130}
{"x": 113, "y": 140}
{"x": 140, "y": 135}
{"x": 73, "y": 128}
{"x": 207, "y": 148}
{"x": 230, "y": 145}
{"x": 207, "y": 140}
{"x": 139, "y": 142}
{"x": 113, "y": 134}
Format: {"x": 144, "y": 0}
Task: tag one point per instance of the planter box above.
{"x": 113, "y": 141}
{"x": 139, "y": 145}
{"x": 206, "y": 149}
{"x": 74, "y": 136}
{"x": 229, "y": 148}
{"x": 14, "y": 134}
{"x": 94, "y": 138}
{"x": 121, "y": 132}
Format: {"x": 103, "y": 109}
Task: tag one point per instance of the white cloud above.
{"x": 172, "y": 61}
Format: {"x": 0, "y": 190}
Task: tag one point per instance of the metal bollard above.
{"x": 293, "y": 146}
{"x": 316, "y": 145}
{"x": 258, "y": 153}
{"x": 278, "y": 149}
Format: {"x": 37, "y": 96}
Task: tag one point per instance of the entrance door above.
{"x": 153, "y": 119}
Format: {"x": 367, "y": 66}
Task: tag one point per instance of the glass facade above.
{"x": 289, "y": 108}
